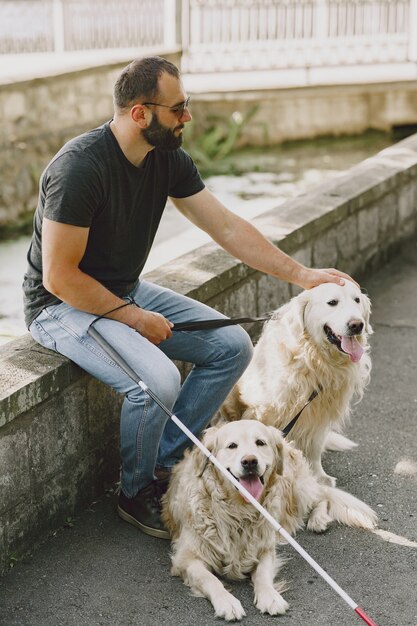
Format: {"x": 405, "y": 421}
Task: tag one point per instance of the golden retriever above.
{"x": 315, "y": 342}
{"x": 216, "y": 531}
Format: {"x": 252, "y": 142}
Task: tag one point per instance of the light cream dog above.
{"x": 215, "y": 530}
{"x": 317, "y": 341}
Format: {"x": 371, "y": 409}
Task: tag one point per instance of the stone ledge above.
{"x": 26, "y": 381}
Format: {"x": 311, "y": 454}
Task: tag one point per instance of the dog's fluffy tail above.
{"x": 336, "y": 505}
{"x": 340, "y": 443}
{"x": 346, "y": 509}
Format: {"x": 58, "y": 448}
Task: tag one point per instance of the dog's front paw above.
{"x": 229, "y": 608}
{"x": 271, "y": 602}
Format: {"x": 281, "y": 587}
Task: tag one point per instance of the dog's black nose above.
{"x": 355, "y": 327}
{"x": 249, "y": 463}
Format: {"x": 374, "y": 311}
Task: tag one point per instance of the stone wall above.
{"x": 38, "y": 117}
{"x": 59, "y": 427}
{"x": 312, "y": 111}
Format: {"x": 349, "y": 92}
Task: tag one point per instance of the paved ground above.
{"x": 104, "y": 572}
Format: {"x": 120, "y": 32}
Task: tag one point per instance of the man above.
{"x": 100, "y": 201}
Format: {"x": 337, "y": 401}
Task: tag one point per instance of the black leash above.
{"x": 293, "y": 422}
{"x": 196, "y": 325}
{"x": 200, "y": 325}
{"x": 218, "y": 323}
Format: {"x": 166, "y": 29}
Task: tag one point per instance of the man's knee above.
{"x": 165, "y": 383}
{"x": 239, "y": 346}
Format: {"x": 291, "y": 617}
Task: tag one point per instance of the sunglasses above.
{"x": 178, "y": 109}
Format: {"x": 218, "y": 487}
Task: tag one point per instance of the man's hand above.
{"x": 312, "y": 277}
{"x": 153, "y": 326}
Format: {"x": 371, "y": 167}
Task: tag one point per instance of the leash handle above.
{"x": 218, "y": 323}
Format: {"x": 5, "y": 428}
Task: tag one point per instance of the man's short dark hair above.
{"x": 140, "y": 80}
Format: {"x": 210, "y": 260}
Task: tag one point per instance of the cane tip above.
{"x": 365, "y": 617}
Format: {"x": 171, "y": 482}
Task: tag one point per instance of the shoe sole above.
{"x": 153, "y": 532}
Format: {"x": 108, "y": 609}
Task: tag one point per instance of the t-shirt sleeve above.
{"x": 185, "y": 179}
{"x": 72, "y": 188}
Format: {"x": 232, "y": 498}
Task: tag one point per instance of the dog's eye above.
{"x": 333, "y": 303}
{"x": 232, "y": 445}
{"x": 357, "y": 300}
{"x": 259, "y": 442}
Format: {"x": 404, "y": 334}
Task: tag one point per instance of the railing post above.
{"x": 320, "y": 33}
{"x": 412, "y": 32}
{"x": 184, "y": 38}
{"x": 58, "y": 25}
{"x": 172, "y": 23}
{"x": 321, "y": 22}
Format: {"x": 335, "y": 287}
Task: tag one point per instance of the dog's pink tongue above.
{"x": 253, "y": 485}
{"x": 353, "y": 348}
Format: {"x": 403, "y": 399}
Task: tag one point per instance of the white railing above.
{"x": 67, "y": 25}
{"x": 26, "y": 26}
{"x": 221, "y": 35}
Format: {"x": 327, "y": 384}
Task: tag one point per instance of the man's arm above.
{"x": 63, "y": 247}
{"x": 243, "y": 241}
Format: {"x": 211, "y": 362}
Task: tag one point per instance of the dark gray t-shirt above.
{"x": 91, "y": 183}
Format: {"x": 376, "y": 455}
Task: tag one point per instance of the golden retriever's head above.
{"x": 336, "y": 315}
{"x": 251, "y": 451}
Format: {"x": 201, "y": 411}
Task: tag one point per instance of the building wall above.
{"x": 59, "y": 427}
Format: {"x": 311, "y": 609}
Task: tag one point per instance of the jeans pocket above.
{"x": 40, "y": 335}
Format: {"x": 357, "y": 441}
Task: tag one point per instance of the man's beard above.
{"x": 161, "y": 137}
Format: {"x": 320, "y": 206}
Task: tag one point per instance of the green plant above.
{"x": 69, "y": 522}
{"x": 12, "y": 561}
{"x": 215, "y": 144}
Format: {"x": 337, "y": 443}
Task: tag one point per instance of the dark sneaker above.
{"x": 162, "y": 474}
{"x": 144, "y": 510}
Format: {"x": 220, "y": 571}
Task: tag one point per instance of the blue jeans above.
{"x": 148, "y": 438}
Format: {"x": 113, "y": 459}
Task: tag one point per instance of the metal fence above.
{"x": 220, "y": 35}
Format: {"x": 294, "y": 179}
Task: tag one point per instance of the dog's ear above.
{"x": 294, "y": 313}
{"x": 209, "y": 441}
{"x": 278, "y": 444}
{"x": 366, "y": 303}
